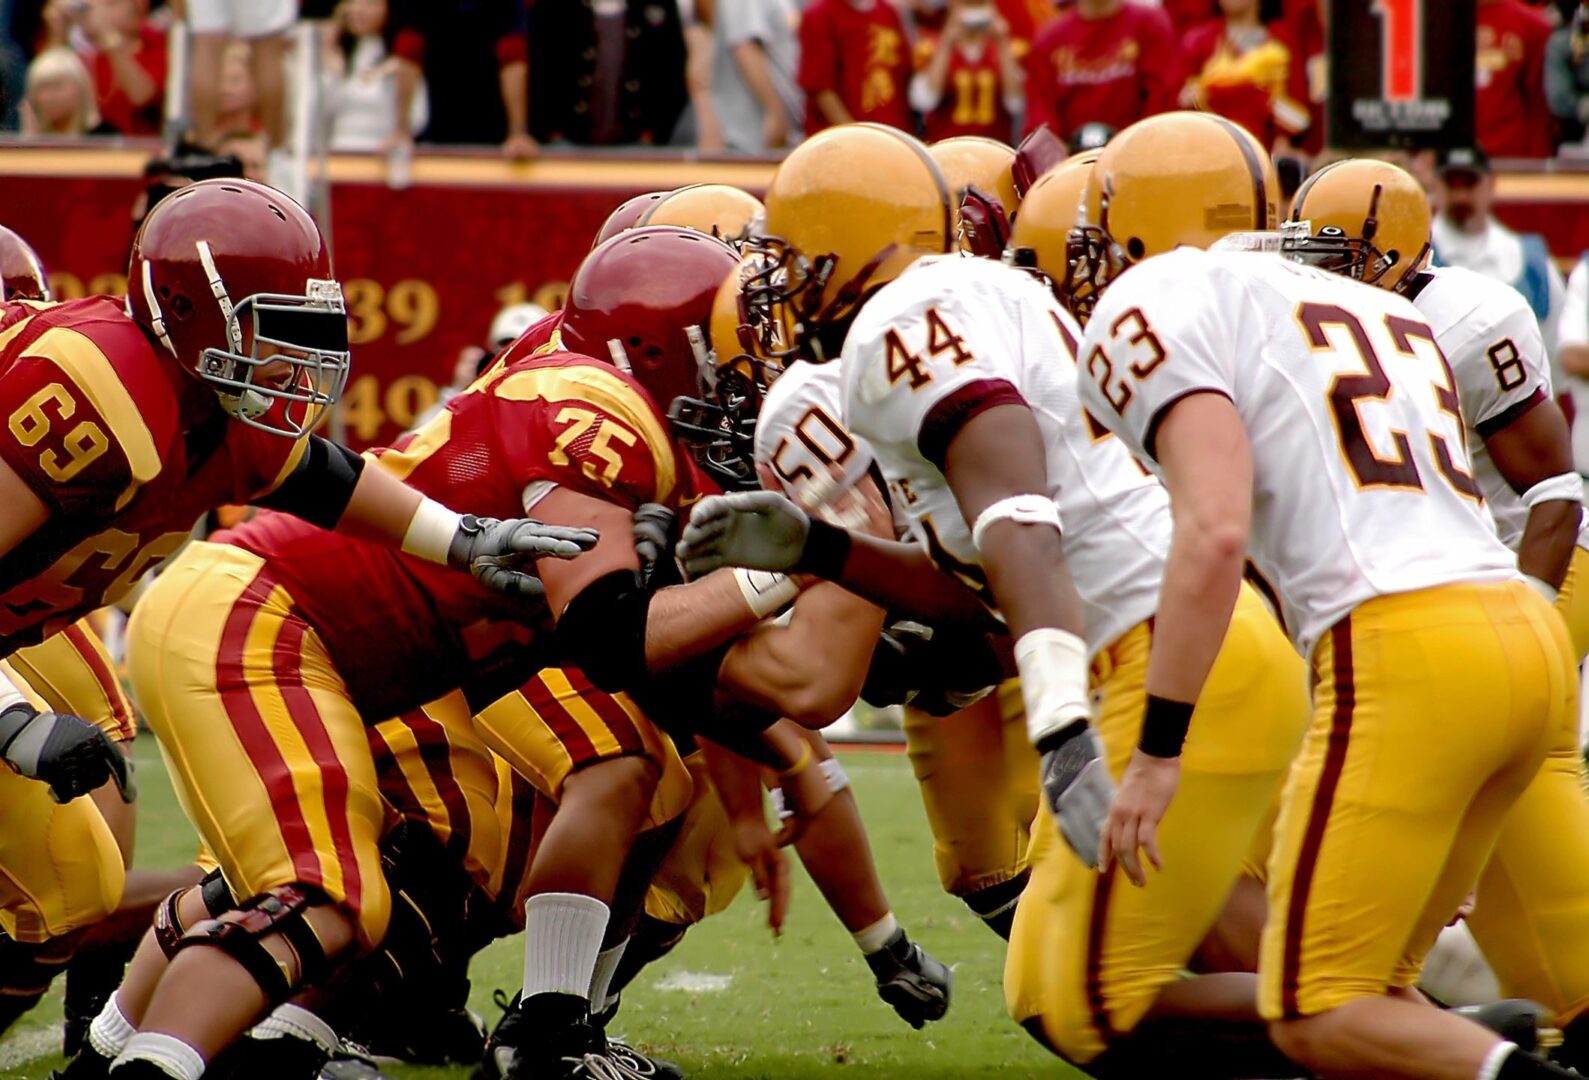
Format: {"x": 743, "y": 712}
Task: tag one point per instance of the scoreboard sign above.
{"x": 1401, "y": 73}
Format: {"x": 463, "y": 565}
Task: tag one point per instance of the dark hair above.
{"x": 346, "y": 42}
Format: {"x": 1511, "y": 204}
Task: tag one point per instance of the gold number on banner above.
{"x": 413, "y": 305}
{"x": 111, "y": 284}
{"x": 407, "y": 398}
{"x": 367, "y": 407}
{"x": 366, "y": 319}
{"x": 66, "y": 286}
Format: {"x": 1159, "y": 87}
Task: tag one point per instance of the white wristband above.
{"x": 1566, "y": 487}
{"x": 1021, "y": 509}
{"x": 1053, "y": 668}
{"x": 765, "y": 592}
{"x": 431, "y": 531}
{"x": 1543, "y": 587}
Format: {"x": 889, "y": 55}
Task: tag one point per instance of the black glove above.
{"x": 71, "y": 755}
{"x": 654, "y": 537}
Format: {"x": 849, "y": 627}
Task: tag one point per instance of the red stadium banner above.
{"x": 426, "y": 268}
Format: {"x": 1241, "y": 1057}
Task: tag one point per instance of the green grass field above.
{"x": 800, "y": 1006}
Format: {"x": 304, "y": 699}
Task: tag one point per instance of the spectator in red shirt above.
{"x": 972, "y": 84}
{"x": 854, "y": 64}
{"x": 473, "y": 56}
{"x": 1188, "y": 14}
{"x": 1237, "y": 67}
{"x": 1510, "y": 112}
{"x": 126, "y": 56}
{"x": 1104, "y": 60}
{"x": 1301, "y": 27}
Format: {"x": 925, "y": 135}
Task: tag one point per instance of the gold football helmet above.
{"x": 979, "y": 173}
{"x": 1040, "y": 240}
{"x": 847, "y": 211}
{"x": 722, "y": 210}
{"x": 1365, "y": 218}
{"x": 1173, "y": 180}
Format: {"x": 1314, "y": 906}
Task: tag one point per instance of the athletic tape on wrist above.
{"x": 430, "y": 531}
{"x": 765, "y": 592}
{"x": 1053, "y": 669}
{"x": 1567, "y": 487}
{"x": 1021, "y": 509}
{"x": 9, "y": 694}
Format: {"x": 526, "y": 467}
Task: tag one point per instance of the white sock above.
{"x": 1491, "y": 1066}
{"x": 606, "y": 968}
{"x": 171, "y": 1055}
{"x": 110, "y": 1030}
{"x": 291, "y": 1021}
{"x": 874, "y": 937}
{"x": 562, "y": 938}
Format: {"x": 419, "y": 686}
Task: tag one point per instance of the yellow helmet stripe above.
{"x": 1260, "y": 186}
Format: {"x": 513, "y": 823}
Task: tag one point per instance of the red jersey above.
{"x": 1250, "y": 87}
{"x": 541, "y": 338}
{"x": 973, "y": 97}
{"x": 125, "y": 450}
{"x": 1114, "y": 70}
{"x": 114, "y": 106}
{"x": 404, "y": 631}
{"x": 863, "y": 56}
{"x": 1510, "y": 113}
{"x": 1186, "y": 14}
{"x": 1302, "y": 31}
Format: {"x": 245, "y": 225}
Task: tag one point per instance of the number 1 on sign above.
{"x": 1400, "y": 50}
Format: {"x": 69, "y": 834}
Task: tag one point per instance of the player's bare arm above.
{"x": 1208, "y": 469}
{"x": 1534, "y": 455}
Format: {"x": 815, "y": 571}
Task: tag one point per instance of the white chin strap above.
{"x": 249, "y": 405}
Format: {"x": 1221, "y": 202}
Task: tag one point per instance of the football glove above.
{"x": 758, "y": 530}
{"x": 653, "y": 536}
{"x": 1078, "y": 789}
{"x": 69, "y": 754}
{"x": 500, "y": 554}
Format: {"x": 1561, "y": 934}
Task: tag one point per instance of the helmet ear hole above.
{"x": 181, "y": 307}
{"x": 1136, "y": 248}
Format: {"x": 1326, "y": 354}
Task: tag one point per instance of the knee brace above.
{"x": 282, "y": 911}
{"x": 168, "y": 928}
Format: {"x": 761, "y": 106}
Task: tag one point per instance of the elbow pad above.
{"x": 320, "y": 489}
{"x": 603, "y": 631}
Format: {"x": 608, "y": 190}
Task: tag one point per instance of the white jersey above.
{"x": 952, "y": 335}
{"x": 800, "y": 436}
{"x": 1491, "y": 339}
{"x": 1362, "y": 485}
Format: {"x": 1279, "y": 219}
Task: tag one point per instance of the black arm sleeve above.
{"x": 320, "y": 488}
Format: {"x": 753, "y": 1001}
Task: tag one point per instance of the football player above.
{"x": 930, "y": 360}
{"x": 125, "y": 425}
{"x": 1369, "y": 220}
{"x": 1313, "y": 423}
{"x": 721, "y": 210}
{"x": 569, "y": 435}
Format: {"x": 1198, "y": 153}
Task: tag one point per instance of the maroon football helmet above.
{"x": 627, "y": 215}
{"x": 643, "y": 300}
{"x": 1038, "y": 152}
{"x": 233, "y": 279}
{"x": 21, "y": 272}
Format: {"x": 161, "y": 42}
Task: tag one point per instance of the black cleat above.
{"x": 280, "y": 1058}
{"x": 89, "y": 1064}
{"x": 352, "y": 1062}
{"x": 916, "y": 985}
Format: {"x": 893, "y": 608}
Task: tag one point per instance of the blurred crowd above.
{"x": 737, "y": 76}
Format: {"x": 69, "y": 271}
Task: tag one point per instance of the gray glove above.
{"x": 653, "y": 532}
{"x": 71, "y": 755}
{"x": 501, "y": 554}
{"x": 1078, "y": 788}
{"x": 759, "y": 530}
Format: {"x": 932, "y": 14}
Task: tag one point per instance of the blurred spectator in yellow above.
{"x": 125, "y": 55}
{"x": 855, "y": 64}
{"x": 1567, "y": 72}
{"x": 359, "y": 79}
{"x": 1238, "y": 67}
{"x": 973, "y": 84}
{"x": 60, "y": 97}
{"x": 471, "y": 56}
{"x": 755, "y": 68}
{"x": 607, "y": 72}
{"x": 1510, "y": 113}
{"x": 263, "y": 25}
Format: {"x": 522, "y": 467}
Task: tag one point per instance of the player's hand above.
{"x": 500, "y": 554}
{"x": 71, "y": 755}
{"x": 654, "y": 526}
{"x": 759, "y": 530}
{"x": 520, "y": 146}
{"x": 1078, "y": 789}
{"x": 1145, "y": 792}
{"x": 769, "y": 870}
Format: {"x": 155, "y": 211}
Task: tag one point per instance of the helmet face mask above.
{"x": 1363, "y": 219}
{"x": 297, "y": 356}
